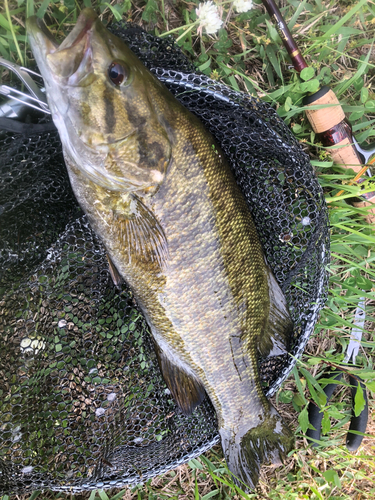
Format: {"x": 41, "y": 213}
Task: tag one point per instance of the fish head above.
{"x": 112, "y": 114}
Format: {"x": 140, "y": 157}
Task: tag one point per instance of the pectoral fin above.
{"x": 115, "y": 275}
{"x": 275, "y": 340}
{"x": 142, "y": 235}
{"x": 187, "y": 391}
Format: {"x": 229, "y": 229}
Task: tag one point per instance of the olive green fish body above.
{"x": 198, "y": 294}
{"x": 157, "y": 190}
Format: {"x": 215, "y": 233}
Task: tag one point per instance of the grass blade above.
{"x": 344, "y": 19}
{"x": 30, "y": 11}
{"x": 42, "y": 9}
{"x": 343, "y": 87}
{"x": 13, "y": 33}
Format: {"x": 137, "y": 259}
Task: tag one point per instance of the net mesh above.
{"x": 82, "y": 402}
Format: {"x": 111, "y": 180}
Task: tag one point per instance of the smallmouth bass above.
{"x": 158, "y": 191}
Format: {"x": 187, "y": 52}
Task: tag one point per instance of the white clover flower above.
{"x": 242, "y": 5}
{"x": 209, "y": 19}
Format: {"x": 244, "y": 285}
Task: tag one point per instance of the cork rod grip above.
{"x": 335, "y": 133}
{"x": 325, "y": 119}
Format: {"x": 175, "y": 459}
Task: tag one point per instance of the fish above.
{"x": 158, "y": 191}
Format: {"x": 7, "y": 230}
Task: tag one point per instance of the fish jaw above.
{"x": 100, "y": 131}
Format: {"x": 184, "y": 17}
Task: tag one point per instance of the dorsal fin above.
{"x": 276, "y": 338}
{"x": 187, "y": 391}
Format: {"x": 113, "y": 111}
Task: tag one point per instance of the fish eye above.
{"x": 117, "y": 73}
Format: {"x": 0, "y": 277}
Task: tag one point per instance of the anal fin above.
{"x": 187, "y": 391}
{"x": 276, "y": 339}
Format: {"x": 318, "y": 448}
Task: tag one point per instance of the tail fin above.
{"x": 269, "y": 441}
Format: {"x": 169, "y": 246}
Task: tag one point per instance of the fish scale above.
{"x": 158, "y": 191}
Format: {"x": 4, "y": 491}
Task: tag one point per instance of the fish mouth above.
{"x": 73, "y": 54}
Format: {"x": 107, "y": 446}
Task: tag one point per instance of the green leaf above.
{"x": 298, "y": 401}
{"x": 297, "y": 13}
{"x": 364, "y": 94}
{"x": 34, "y": 495}
{"x": 370, "y": 385}
{"x": 345, "y": 18}
{"x": 103, "y": 495}
{"x": 271, "y": 54}
{"x": 205, "y": 65}
{"x": 286, "y": 396}
{"x": 3, "y": 46}
{"x": 307, "y": 74}
{"x": 149, "y": 13}
{"x": 210, "y": 494}
{"x": 195, "y": 464}
{"x": 92, "y": 495}
{"x": 319, "y": 395}
{"x": 332, "y": 477}
{"x": 115, "y": 9}
{"x": 326, "y": 423}
{"x": 224, "y": 42}
{"x": 359, "y": 401}
{"x": 335, "y": 413}
{"x": 42, "y": 9}
{"x": 272, "y": 32}
{"x": 119, "y": 495}
{"x": 4, "y": 23}
{"x": 370, "y": 105}
{"x": 310, "y": 86}
{"x": 288, "y": 103}
{"x": 303, "y": 420}
{"x": 196, "y": 491}
{"x": 126, "y": 5}
{"x": 343, "y": 87}
{"x": 315, "y": 490}
{"x": 298, "y": 383}
{"x": 364, "y": 374}
{"x": 30, "y": 11}
{"x": 234, "y": 83}
{"x": 364, "y": 283}
{"x": 357, "y": 115}
{"x": 358, "y": 84}
{"x": 366, "y": 237}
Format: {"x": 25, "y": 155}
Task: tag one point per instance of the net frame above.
{"x": 39, "y": 273}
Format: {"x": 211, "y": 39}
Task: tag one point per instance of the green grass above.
{"x": 336, "y": 39}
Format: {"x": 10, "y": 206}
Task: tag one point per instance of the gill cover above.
{"x": 111, "y": 112}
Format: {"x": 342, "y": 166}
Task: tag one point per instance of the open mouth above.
{"x": 63, "y": 59}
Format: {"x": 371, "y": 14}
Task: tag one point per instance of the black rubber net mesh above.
{"x": 82, "y": 402}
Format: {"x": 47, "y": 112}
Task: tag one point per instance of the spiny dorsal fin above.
{"x": 187, "y": 391}
{"x": 275, "y": 340}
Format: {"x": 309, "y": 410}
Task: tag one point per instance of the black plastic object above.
{"x": 82, "y": 401}
{"x": 310, "y": 99}
{"x": 314, "y": 412}
{"x": 357, "y": 423}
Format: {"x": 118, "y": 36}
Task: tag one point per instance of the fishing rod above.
{"x": 333, "y": 129}
{"x": 329, "y": 123}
